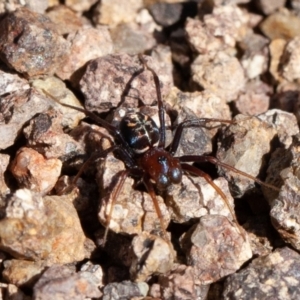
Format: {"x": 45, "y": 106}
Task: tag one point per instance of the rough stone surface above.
{"x": 109, "y": 79}
{"x": 79, "y": 5}
{"x": 125, "y": 290}
{"x": 276, "y": 49}
{"x": 10, "y": 81}
{"x": 244, "y": 146}
{"x": 38, "y": 6}
{"x": 215, "y": 248}
{"x": 4, "y": 189}
{"x": 57, "y": 89}
{"x": 37, "y": 228}
{"x": 194, "y": 198}
{"x": 285, "y": 124}
{"x": 116, "y": 12}
{"x": 285, "y": 208}
{"x": 60, "y": 282}
{"x": 34, "y": 172}
{"x": 131, "y": 38}
{"x": 23, "y": 272}
{"x": 44, "y": 133}
{"x": 273, "y": 276}
{"x": 178, "y": 284}
{"x": 86, "y": 44}
{"x": 256, "y": 55}
{"x": 66, "y": 19}
{"x": 30, "y": 43}
{"x": 268, "y": 7}
{"x": 152, "y": 255}
{"x": 221, "y": 74}
{"x": 17, "y": 109}
{"x": 255, "y": 99}
{"x": 291, "y": 60}
{"x": 281, "y": 25}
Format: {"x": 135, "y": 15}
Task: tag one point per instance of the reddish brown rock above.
{"x": 30, "y": 43}
{"x": 35, "y": 172}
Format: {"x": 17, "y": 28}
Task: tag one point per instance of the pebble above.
{"x": 31, "y": 44}
{"x": 37, "y": 229}
{"x": 275, "y": 275}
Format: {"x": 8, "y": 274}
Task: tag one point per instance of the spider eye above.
{"x": 176, "y": 175}
{"x": 162, "y": 182}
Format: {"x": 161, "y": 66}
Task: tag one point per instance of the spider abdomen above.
{"x": 139, "y": 131}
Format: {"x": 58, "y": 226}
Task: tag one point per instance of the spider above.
{"x": 141, "y": 144}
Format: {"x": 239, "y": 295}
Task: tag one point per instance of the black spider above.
{"x": 141, "y": 145}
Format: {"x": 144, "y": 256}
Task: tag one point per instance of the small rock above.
{"x": 110, "y": 79}
{"x": 268, "y": 7}
{"x": 17, "y": 109}
{"x": 79, "y": 5}
{"x": 44, "y": 133}
{"x": 59, "y": 282}
{"x": 119, "y": 11}
{"x": 66, "y": 19}
{"x": 38, "y": 6}
{"x": 215, "y": 248}
{"x": 14, "y": 293}
{"x": 285, "y": 208}
{"x": 255, "y": 59}
{"x": 86, "y": 44}
{"x": 222, "y": 75}
{"x": 166, "y": 14}
{"x": 285, "y": 124}
{"x": 125, "y": 290}
{"x": 244, "y": 146}
{"x": 11, "y": 82}
{"x": 34, "y": 172}
{"x": 276, "y": 50}
{"x": 4, "y": 189}
{"x": 22, "y": 272}
{"x": 281, "y": 25}
{"x": 58, "y": 90}
{"x": 152, "y": 255}
{"x": 291, "y": 59}
{"x": 131, "y": 39}
{"x": 38, "y": 228}
{"x": 30, "y": 43}
{"x": 255, "y": 99}
{"x": 93, "y": 270}
{"x": 194, "y": 198}
{"x": 178, "y": 284}
{"x": 273, "y": 276}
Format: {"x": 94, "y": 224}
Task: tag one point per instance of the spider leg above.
{"x": 112, "y": 129}
{"x": 152, "y": 194}
{"x": 215, "y": 161}
{"x": 116, "y": 192}
{"x": 192, "y": 123}
{"x": 195, "y": 171}
{"x": 161, "y": 113}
